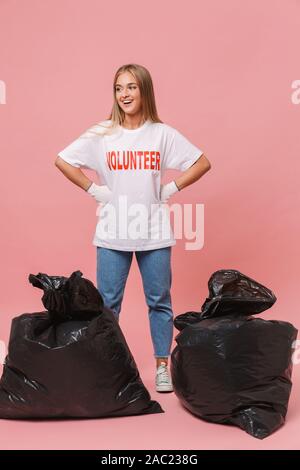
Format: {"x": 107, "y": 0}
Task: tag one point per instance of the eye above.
{"x": 131, "y": 88}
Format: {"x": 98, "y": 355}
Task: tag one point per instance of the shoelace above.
{"x": 162, "y": 371}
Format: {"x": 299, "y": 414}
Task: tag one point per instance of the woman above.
{"x": 130, "y": 151}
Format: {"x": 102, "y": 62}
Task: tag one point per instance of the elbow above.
{"x": 58, "y": 162}
{"x": 206, "y": 162}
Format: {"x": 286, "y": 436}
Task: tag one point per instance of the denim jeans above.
{"x": 155, "y": 268}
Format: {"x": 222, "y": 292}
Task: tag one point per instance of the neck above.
{"x": 133, "y": 122}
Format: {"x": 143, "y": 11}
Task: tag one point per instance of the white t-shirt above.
{"x": 131, "y": 162}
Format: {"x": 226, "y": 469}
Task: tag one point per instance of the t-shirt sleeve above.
{"x": 180, "y": 153}
{"x": 81, "y": 153}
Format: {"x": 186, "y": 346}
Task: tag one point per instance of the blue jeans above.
{"x": 155, "y": 268}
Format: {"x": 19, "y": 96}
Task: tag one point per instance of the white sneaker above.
{"x": 163, "y": 380}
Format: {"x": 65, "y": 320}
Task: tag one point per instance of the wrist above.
{"x": 89, "y": 187}
{"x": 176, "y": 185}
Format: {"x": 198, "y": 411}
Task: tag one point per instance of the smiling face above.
{"x": 128, "y": 94}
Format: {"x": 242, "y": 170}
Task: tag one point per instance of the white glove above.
{"x": 167, "y": 190}
{"x": 100, "y": 193}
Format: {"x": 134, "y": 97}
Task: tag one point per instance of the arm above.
{"x": 192, "y": 174}
{"x": 73, "y": 174}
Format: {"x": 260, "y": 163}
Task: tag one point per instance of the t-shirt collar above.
{"x": 138, "y": 129}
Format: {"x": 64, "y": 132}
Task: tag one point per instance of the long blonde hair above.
{"x": 117, "y": 115}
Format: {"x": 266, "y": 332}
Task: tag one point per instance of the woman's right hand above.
{"x": 101, "y": 193}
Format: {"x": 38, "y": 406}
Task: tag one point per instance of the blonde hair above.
{"x": 117, "y": 115}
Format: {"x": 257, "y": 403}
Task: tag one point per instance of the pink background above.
{"x": 222, "y": 74}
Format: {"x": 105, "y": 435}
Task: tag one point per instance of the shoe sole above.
{"x": 164, "y": 389}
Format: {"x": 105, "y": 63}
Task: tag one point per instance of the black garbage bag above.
{"x": 71, "y": 361}
{"x": 231, "y": 367}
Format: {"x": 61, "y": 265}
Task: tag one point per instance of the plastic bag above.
{"x": 229, "y": 367}
{"x": 72, "y": 360}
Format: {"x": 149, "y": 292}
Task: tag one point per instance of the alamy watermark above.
{"x": 295, "y": 97}
{"x": 2, "y": 352}
{"x": 138, "y": 221}
{"x": 295, "y": 355}
{"x": 2, "y": 92}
